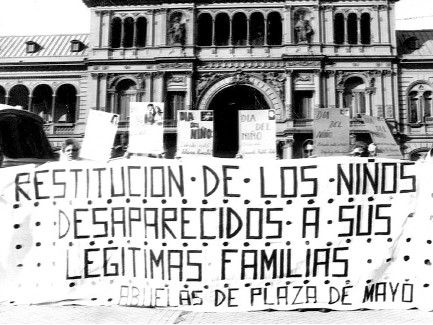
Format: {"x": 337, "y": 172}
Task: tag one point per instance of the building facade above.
{"x": 291, "y": 56}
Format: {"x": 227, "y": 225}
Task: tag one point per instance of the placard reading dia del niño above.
{"x": 195, "y": 133}
{"x": 224, "y": 235}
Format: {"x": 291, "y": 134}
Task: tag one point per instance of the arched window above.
{"x": 66, "y": 103}
{"x": 275, "y": 29}
{"x": 420, "y": 104}
{"x": 141, "y": 30}
{"x": 126, "y": 91}
{"x": 2, "y": 95}
{"x": 365, "y": 28}
{"x": 42, "y": 101}
{"x": 222, "y": 29}
{"x": 204, "y": 37}
{"x": 239, "y": 29}
{"x": 19, "y": 95}
{"x": 339, "y": 28}
{"x": 116, "y": 32}
{"x": 352, "y": 29}
{"x": 257, "y": 29}
{"x": 128, "y": 32}
{"x": 354, "y": 96}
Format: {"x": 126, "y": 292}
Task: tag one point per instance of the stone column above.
{"x": 159, "y": 87}
{"x": 331, "y": 90}
{"x": 388, "y": 91}
{"x": 288, "y": 147}
{"x": 102, "y": 92}
{"x": 379, "y": 95}
{"x": 189, "y": 90}
{"x": 328, "y": 29}
{"x": 105, "y": 28}
{"x": 384, "y": 23}
{"x": 148, "y": 87}
{"x": 375, "y": 26}
{"x": 288, "y": 85}
{"x": 317, "y": 90}
{"x": 53, "y": 108}
{"x": 288, "y": 24}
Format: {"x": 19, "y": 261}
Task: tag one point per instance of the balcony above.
{"x": 59, "y": 128}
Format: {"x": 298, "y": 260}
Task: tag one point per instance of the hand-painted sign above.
{"x": 257, "y": 134}
{"x": 146, "y": 129}
{"x": 330, "y": 132}
{"x": 195, "y": 133}
{"x": 99, "y": 136}
{"x": 220, "y": 235}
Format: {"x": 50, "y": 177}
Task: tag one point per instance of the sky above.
{"x": 41, "y": 17}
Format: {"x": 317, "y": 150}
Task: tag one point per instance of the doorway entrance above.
{"x": 226, "y": 105}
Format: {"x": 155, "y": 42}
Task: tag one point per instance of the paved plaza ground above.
{"x": 130, "y": 315}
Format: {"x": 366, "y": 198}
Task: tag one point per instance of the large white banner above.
{"x": 257, "y": 134}
{"x": 146, "y": 127}
{"x": 99, "y": 136}
{"x": 195, "y": 133}
{"x": 224, "y": 235}
{"x": 331, "y": 132}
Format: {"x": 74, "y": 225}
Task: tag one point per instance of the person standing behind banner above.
{"x": 158, "y": 118}
{"x": 70, "y": 149}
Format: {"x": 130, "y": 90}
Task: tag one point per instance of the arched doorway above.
{"x": 226, "y": 105}
{"x": 19, "y": 95}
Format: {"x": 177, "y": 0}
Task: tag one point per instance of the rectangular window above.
{"x": 176, "y": 102}
{"x": 302, "y": 103}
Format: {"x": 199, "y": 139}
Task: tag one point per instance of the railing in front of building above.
{"x": 59, "y": 128}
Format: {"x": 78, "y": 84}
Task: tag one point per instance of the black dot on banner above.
{"x": 128, "y": 200}
{"x": 204, "y": 201}
{"x": 55, "y": 223}
{"x": 426, "y": 285}
{"x": 54, "y": 202}
{"x": 407, "y": 280}
{"x": 410, "y": 215}
{"x": 288, "y": 223}
{"x": 185, "y": 286}
{"x": 184, "y": 201}
{"x": 225, "y": 201}
{"x": 16, "y": 226}
{"x": 348, "y": 241}
{"x": 369, "y": 261}
{"x": 331, "y": 180}
{"x": 246, "y": 244}
{"x": 311, "y": 201}
{"x": 128, "y": 242}
{"x": 289, "y": 202}
{"x": 389, "y": 240}
{"x": 109, "y": 201}
{"x": 406, "y": 258}
{"x": 205, "y": 244}
{"x": 408, "y": 240}
{"x": 110, "y": 299}
{"x": 368, "y": 281}
{"x": 288, "y": 282}
{"x": 429, "y": 241}
{"x": 71, "y": 244}
{"x": 267, "y": 244}
{"x": 163, "y": 201}
{"x": 185, "y": 244}
{"x": 110, "y": 242}
{"x": 247, "y": 285}
{"x": 36, "y": 204}
{"x": 94, "y": 299}
{"x": 267, "y": 202}
{"x": 267, "y": 284}
{"x": 369, "y": 240}
{"x": 38, "y": 265}
{"x": 164, "y": 244}
{"x": 330, "y": 201}
{"x": 54, "y": 243}
{"x": 306, "y": 281}
{"x": 16, "y": 206}
{"x": 247, "y": 180}
{"x": 371, "y": 198}
{"x": 92, "y": 243}
{"x": 38, "y": 244}
{"x": 19, "y": 265}
{"x": 329, "y": 222}
{"x": 89, "y": 202}
{"x": 326, "y": 281}
{"x": 18, "y": 246}
{"x": 307, "y": 242}
{"x": 225, "y": 243}
{"x": 226, "y": 285}
{"x": 350, "y": 199}
{"x": 427, "y": 262}
{"x": 206, "y": 287}
{"x": 11, "y": 302}
{"x": 144, "y": 201}
{"x": 347, "y": 281}
{"x": 328, "y": 243}
{"x": 246, "y": 201}
{"x": 288, "y": 243}
{"x": 388, "y": 260}
{"x": 193, "y": 179}
{"x": 37, "y": 223}
{"x": 145, "y": 243}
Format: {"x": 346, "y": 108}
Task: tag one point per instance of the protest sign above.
{"x": 257, "y": 134}
{"x": 382, "y": 137}
{"x": 99, "y": 136}
{"x": 331, "y": 132}
{"x": 195, "y": 133}
{"x": 146, "y": 128}
{"x": 225, "y": 235}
